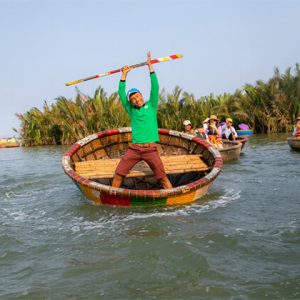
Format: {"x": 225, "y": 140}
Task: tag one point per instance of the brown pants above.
{"x": 137, "y": 153}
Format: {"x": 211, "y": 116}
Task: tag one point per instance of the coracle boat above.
{"x": 191, "y": 164}
{"x": 294, "y": 143}
{"x": 244, "y": 133}
{"x": 231, "y": 150}
{"x": 8, "y": 143}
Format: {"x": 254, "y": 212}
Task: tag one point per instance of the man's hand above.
{"x": 149, "y": 62}
{"x": 125, "y": 71}
{"x": 149, "y": 57}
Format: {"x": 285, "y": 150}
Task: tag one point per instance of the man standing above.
{"x": 143, "y": 118}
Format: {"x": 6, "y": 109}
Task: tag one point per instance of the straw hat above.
{"x": 229, "y": 120}
{"x": 214, "y": 117}
{"x": 298, "y": 119}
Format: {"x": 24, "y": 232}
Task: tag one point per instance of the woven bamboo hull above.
{"x": 240, "y": 139}
{"x": 101, "y": 197}
{"x": 114, "y": 143}
{"x": 294, "y": 143}
{"x": 9, "y": 146}
{"x": 231, "y": 150}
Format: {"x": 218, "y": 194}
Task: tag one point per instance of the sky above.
{"x": 225, "y": 44}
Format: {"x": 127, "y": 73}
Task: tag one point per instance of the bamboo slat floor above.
{"x": 105, "y": 168}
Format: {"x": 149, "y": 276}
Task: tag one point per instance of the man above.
{"x": 144, "y": 129}
{"x": 228, "y": 131}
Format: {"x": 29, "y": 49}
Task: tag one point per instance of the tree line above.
{"x": 267, "y": 107}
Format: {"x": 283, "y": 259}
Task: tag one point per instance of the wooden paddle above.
{"x": 153, "y": 61}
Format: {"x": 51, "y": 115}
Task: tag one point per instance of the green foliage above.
{"x": 270, "y": 106}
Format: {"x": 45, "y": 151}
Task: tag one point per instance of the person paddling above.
{"x": 143, "y": 118}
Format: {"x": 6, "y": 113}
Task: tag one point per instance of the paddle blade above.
{"x": 73, "y": 82}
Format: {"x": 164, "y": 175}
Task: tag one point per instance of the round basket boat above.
{"x": 294, "y": 143}
{"x": 191, "y": 164}
{"x": 244, "y": 133}
{"x": 8, "y": 143}
{"x": 231, "y": 150}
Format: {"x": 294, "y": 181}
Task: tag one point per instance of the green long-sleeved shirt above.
{"x": 143, "y": 120}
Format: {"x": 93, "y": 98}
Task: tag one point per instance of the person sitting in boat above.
{"x": 143, "y": 118}
{"x": 205, "y": 124}
{"x": 213, "y": 132}
{"x": 228, "y": 132}
{"x": 187, "y": 127}
{"x": 296, "y": 132}
{"x": 200, "y": 132}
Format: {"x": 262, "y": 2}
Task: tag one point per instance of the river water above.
{"x": 241, "y": 241}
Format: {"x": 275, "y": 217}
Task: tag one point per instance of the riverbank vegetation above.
{"x": 267, "y": 107}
